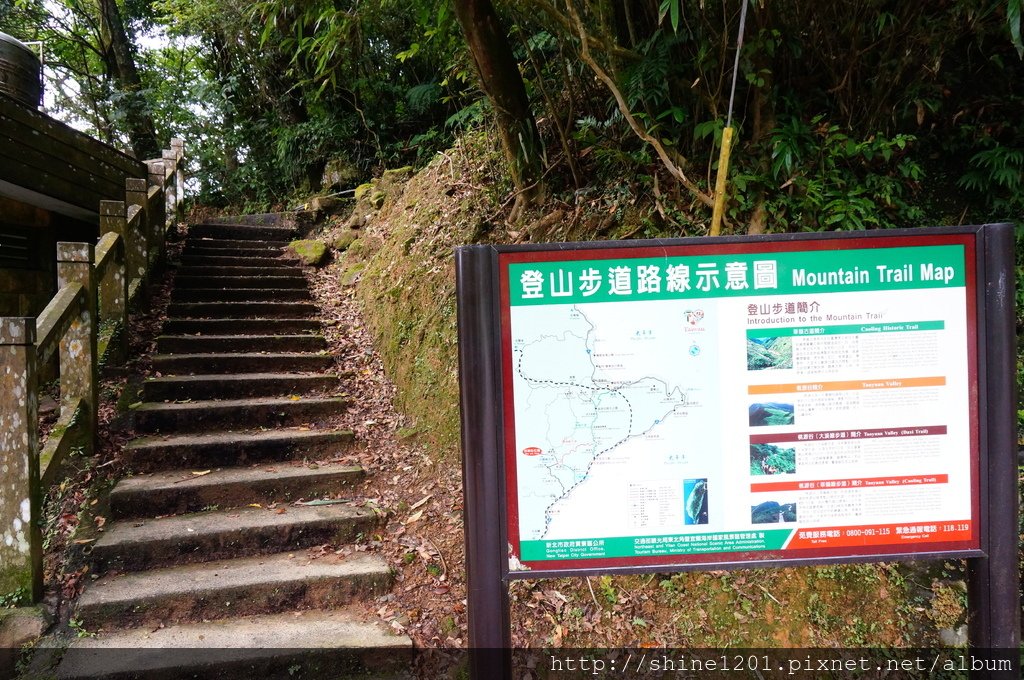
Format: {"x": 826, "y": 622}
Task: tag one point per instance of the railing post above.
{"x": 114, "y": 217}
{"x": 171, "y": 187}
{"x": 114, "y": 304}
{"x": 178, "y": 146}
{"x": 21, "y": 545}
{"x": 158, "y": 210}
{"x": 79, "y": 366}
{"x": 136, "y": 194}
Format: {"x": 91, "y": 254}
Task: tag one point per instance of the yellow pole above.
{"x": 723, "y": 171}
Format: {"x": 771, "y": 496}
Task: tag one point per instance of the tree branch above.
{"x": 653, "y": 141}
{"x": 596, "y": 43}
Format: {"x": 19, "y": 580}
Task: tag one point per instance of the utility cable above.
{"x": 727, "y": 133}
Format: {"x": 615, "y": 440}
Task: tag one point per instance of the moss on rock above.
{"x": 363, "y": 190}
{"x": 345, "y": 239}
{"x": 377, "y": 199}
{"x": 310, "y": 251}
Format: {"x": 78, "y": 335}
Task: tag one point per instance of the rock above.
{"x": 339, "y": 173}
{"x": 18, "y": 626}
{"x": 325, "y": 204}
{"x": 363, "y": 189}
{"x": 951, "y": 637}
{"x": 345, "y": 239}
{"x": 377, "y": 199}
{"x": 401, "y": 173}
{"x": 47, "y": 404}
{"x": 352, "y": 274}
{"x": 310, "y": 251}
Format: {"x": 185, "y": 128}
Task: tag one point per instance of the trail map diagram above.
{"x": 607, "y": 412}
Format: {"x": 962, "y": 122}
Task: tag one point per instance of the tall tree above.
{"x": 501, "y": 80}
{"x": 119, "y": 56}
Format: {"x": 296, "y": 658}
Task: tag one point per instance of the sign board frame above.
{"x": 483, "y": 319}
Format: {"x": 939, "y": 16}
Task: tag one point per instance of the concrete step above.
{"x": 172, "y": 388}
{"x": 243, "y": 232}
{"x": 180, "y": 491}
{"x": 234, "y": 261}
{"x": 241, "y": 362}
{"x": 241, "y": 326}
{"x": 135, "y": 545}
{"x": 204, "y": 451}
{"x": 199, "y": 344}
{"x": 231, "y": 588}
{"x": 204, "y": 270}
{"x": 230, "y": 251}
{"x": 240, "y": 295}
{"x": 270, "y": 219}
{"x": 199, "y": 242}
{"x": 238, "y": 282}
{"x": 198, "y": 416}
{"x": 306, "y": 646}
{"x": 243, "y": 310}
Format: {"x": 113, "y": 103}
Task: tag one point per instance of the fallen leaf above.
{"x": 200, "y": 474}
{"x": 414, "y": 517}
{"x": 421, "y": 502}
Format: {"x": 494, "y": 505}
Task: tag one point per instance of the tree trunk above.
{"x": 223, "y": 68}
{"x": 120, "y": 62}
{"x": 500, "y": 78}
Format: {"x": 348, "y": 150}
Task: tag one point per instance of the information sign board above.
{"x": 733, "y": 402}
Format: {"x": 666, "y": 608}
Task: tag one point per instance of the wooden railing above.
{"x": 85, "y": 322}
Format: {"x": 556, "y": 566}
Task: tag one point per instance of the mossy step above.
{"x": 134, "y": 544}
{"x": 201, "y": 416}
{"x": 314, "y": 644}
{"x": 241, "y": 362}
{"x": 204, "y": 451}
{"x": 242, "y": 310}
{"x": 227, "y": 588}
{"x": 233, "y": 386}
{"x": 204, "y": 270}
{"x": 240, "y": 294}
{"x": 181, "y": 491}
{"x": 200, "y": 344}
{"x": 242, "y": 232}
{"x": 241, "y": 326}
{"x": 238, "y": 282}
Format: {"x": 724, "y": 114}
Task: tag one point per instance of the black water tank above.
{"x": 20, "y": 72}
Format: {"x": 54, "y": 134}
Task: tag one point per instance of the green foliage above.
{"x": 998, "y": 174}
{"x": 1013, "y": 22}
{"x": 829, "y": 179}
{"x": 16, "y": 598}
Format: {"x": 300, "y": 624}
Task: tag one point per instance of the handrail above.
{"x": 134, "y": 212}
{"x": 97, "y": 286}
{"x": 107, "y": 252}
{"x": 55, "y": 320}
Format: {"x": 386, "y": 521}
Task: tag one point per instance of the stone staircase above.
{"x": 207, "y": 548}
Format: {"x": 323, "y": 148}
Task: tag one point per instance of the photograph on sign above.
{"x": 737, "y": 402}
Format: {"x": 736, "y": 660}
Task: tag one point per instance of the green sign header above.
{"x": 740, "y": 275}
